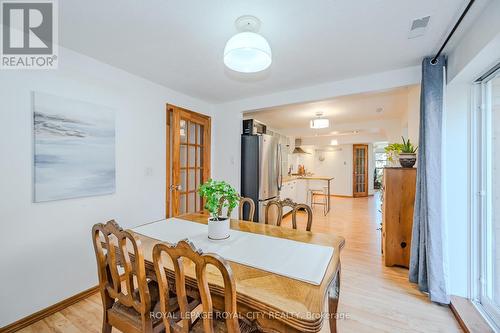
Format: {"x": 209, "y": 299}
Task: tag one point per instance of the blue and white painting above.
{"x": 74, "y": 148}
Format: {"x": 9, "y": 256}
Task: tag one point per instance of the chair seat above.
{"x": 220, "y": 326}
{"x": 133, "y": 317}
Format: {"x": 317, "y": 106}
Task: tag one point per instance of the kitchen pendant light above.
{"x": 247, "y": 51}
{"x": 320, "y": 122}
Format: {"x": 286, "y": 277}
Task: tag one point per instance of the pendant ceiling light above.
{"x": 320, "y": 122}
{"x": 247, "y": 51}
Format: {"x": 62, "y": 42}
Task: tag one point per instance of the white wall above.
{"x": 47, "y": 253}
{"x": 337, "y": 164}
{"x": 226, "y": 157}
{"x": 413, "y": 114}
{"x": 372, "y": 82}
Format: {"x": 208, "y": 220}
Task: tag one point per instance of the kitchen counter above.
{"x": 304, "y": 189}
{"x": 291, "y": 178}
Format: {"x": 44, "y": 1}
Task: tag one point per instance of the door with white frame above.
{"x": 486, "y": 185}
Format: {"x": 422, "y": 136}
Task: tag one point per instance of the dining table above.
{"x": 270, "y": 302}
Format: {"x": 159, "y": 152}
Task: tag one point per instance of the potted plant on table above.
{"x": 407, "y": 156}
{"x": 218, "y": 195}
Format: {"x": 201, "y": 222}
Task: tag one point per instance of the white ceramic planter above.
{"x": 218, "y": 230}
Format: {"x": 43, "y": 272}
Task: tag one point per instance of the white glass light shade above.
{"x": 247, "y": 52}
{"x": 320, "y": 123}
{"x": 334, "y": 142}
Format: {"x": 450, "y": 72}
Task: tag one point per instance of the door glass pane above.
{"x": 192, "y": 156}
{"x": 200, "y": 157}
{"x": 200, "y": 135}
{"x": 191, "y": 202}
{"x": 192, "y": 132}
{"x": 494, "y": 199}
{"x": 490, "y": 219}
{"x": 183, "y": 156}
{"x": 199, "y": 175}
{"x": 183, "y": 126}
{"x": 183, "y": 180}
{"x": 182, "y": 204}
{"x": 191, "y": 180}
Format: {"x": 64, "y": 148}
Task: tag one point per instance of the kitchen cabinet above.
{"x": 288, "y": 191}
{"x": 301, "y": 191}
{"x": 295, "y": 190}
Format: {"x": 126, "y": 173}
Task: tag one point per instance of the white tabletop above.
{"x": 297, "y": 260}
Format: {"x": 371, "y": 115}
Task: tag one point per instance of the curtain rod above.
{"x": 434, "y": 60}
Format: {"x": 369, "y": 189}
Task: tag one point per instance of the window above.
{"x": 380, "y": 164}
{"x": 486, "y": 185}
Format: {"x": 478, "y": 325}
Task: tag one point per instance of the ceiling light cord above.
{"x": 434, "y": 60}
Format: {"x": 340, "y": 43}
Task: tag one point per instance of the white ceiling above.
{"x": 179, "y": 43}
{"x": 347, "y": 114}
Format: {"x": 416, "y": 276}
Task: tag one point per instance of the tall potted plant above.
{"x": 408, "y": 156}
{"x": 218, "y": 195}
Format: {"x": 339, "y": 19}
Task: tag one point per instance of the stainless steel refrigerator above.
{"x": 261, "y": 171}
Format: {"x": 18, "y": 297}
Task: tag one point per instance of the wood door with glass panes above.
{"x": 360, "y": 171}
{"x": 188, "y": 159}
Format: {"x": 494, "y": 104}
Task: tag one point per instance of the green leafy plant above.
{"x": 408, "y": 147}
{"x": 218, "y": 195}
{"x": 392, "y": 150}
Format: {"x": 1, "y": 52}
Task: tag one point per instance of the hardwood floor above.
{"x": 374, "y": 298}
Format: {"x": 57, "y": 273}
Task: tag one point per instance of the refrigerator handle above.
{"x": 279, "y": 174}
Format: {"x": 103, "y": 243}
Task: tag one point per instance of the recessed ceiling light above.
{"x": 247, "y": 51}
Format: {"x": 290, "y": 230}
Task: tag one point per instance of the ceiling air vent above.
{"x": 418, "y": 27}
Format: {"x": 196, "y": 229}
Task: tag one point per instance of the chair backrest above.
{"x": 184, "y": 249}
{"x": 113, "y": 249}
{"x": 251, "y": 209}
{"x": 295, "y": 208}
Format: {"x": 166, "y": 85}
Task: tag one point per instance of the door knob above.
{"x": 175, "y": 187}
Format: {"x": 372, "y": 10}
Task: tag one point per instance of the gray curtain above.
{"x": 427, "y": 257}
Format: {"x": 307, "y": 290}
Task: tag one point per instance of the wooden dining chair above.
{"x": 251, "y": 209}
{"x": 295, "y": 208}
{"x": 182, "y": 322}
{"x": 127, "y": 298}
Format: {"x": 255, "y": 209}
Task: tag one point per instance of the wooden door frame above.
{"x": 354, "y": 194}
{"x": 207, "y": 133}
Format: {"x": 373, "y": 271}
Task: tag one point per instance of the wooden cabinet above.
{"x": 398, "y": 199}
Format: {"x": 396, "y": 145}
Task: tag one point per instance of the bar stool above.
{"x": 324, "y": 193}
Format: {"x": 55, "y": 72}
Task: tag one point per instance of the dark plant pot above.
{"x": 407, "y": 160}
